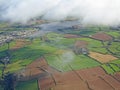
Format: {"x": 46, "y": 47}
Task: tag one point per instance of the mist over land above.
{"x": 87, "y": 11}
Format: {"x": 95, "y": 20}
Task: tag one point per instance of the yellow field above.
{"x": 101, "y": 57}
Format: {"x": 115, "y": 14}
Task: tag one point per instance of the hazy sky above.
{"x": 88, "y": 11}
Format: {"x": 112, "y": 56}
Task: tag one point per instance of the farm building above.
{"x": 80, "y": 47}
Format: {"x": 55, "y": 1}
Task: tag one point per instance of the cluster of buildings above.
{"x": 8, "y": 36}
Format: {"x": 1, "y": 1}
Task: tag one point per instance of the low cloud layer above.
{"x": 88, "y": 11}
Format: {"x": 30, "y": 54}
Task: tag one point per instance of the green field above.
{"x": 28, "y": 85}
{"x": 114, "y": 33}
{"x": 115, "y": 47}
{"x": 94, "y": 45}
{"x": 66, "y": 60}
{"x": 112, "y": 67}
{"x": 65, "y": 43}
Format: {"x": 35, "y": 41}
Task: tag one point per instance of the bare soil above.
{"x": 97, "y": 79}
{"x": 81, "y": 44}
{"x": 117, "y": 76}
{"x": 102, "y": 37}
{"x": 46, "y": 83}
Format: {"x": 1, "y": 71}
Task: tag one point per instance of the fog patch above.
{"x": 87, "y": 11}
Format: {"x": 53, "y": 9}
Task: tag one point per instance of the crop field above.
{"x": 87, "y": 56}
{"x": 115, "y": 47}
{"x": 101, "y": 57}
{"x": 63, "y": 61}
{"x": 117, "y": 76}
{"x": 98, "y": 79}
{"x": 33, "y": 69}
{"x": 114, "y": 34}
{"x": 28, "y": 85}
{"x": 94, "y": 45}
{"x": 112, "y": 67}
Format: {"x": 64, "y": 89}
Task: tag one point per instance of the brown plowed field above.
{"x": 98, "y": 80}
{"x": 81, "y": 44}
{"x": 117, "y": 76}
{"x": 91, "y": 74}
{"x": 63, "y": 81}
{"x": 102, "y": 36}
{"x": 34, "y": 69}
{"x": 46, "y": 83}
{"x": 101, "y": 57}
{"x": 113, "y": 82}
{"x": 99, "y": 84}
{"x": 38, "y": 63}
{"x": 69, "y": 81}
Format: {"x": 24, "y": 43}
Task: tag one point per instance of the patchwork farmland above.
{"x": 83, "y": 58}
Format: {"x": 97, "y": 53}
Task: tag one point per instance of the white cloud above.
{"x": 90, "y": 11}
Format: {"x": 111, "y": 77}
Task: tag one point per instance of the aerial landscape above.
{"x": 51, "y": 48}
